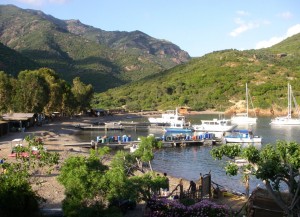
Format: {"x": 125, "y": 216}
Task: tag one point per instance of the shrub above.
{"x": 165, "y": 208}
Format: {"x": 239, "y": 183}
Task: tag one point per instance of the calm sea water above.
{"x": 189, "y": 162}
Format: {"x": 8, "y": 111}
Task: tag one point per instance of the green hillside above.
{"x": 104, "y": 59}
{"x": 12, "y": 62}
{"x": 217, "y": 81}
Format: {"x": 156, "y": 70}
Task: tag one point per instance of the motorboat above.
{"x": 288, "y": 120}
{"x": 243, "y": 118}
{"x": 173, "y": 122}
{"x": 214, "y": 125}
{"x": 179, "y": 127}
{"x": 242, "y": 136}
{"x": 168, "y": 118}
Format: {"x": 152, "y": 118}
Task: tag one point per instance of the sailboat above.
{"x": 288, "y": 120}
{"x": 243, "y": 118}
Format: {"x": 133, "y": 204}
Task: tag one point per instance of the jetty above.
{"x": 107, "y": 126}
{"x": 125, "y": 144}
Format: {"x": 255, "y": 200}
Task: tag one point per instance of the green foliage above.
{"x": 90, "y": 185}
{"x": 43, "y": 91}
{"x": 82, "y": 94}
{"x": 13, "y": 62}
{"x": 231, "y": 169}
{"x": 6, "y": 91}
{"x": 230, "y": 151}
{"x": 146, "y": 147}
{"x": 214, "y": 81}
{"x": 17, "y": 199}
{"x": 85, "y": 184}
{"x": 275, "y": 164}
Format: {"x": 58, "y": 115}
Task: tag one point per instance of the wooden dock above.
{"x": 106, "y": 127}
{"x": 126, "y": 145}
{"x": 122, "y": 125}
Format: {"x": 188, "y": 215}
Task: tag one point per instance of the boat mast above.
{"x": 289, "y": 101}
{"x": 247, "y": 98}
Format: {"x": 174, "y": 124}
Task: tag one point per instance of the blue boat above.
{"x": 178, "y": 130}
{"x": 242, "y": 136}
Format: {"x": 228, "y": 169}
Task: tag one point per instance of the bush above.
{"x": 165, "y": 207}
{"x": 17, "y": 199}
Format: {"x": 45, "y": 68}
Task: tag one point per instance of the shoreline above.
{"x": 56, "y": 135}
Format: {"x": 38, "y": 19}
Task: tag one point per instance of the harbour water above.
{"x": 189, "y": 162}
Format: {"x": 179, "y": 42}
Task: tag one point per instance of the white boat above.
{"x": 179, "y": 127}
{"x": 288, "y": 120}
{"x": 168, "y": 118}
{"x": 243, "y": 118}
{"x": 215, "y": 125}
{"x": 242, "y": 136}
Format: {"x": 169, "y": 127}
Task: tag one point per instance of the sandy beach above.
{"x": 59, "y": 133}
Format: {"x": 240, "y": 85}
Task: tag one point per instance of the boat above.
{"x": 172, "y": 122}
{"x": 214, "y": 125}
{"x": 179, "y": 127}
{"x": 243, "y": 118}
{"x": 168, "y": 118}
{"x": 288, "y": 120}
{"x": 242, "y": 136}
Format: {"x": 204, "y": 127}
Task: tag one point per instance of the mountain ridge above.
{"x": 104, "y": 59}
{"x": 216, "y": 81}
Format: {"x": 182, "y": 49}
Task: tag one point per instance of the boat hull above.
{"x": 211, "y": 128}
{"x": 243, "y": 140}
{"x": 285, "y": 121}
{"x": 243, "y": 120}
{"x": 177, "y": 130}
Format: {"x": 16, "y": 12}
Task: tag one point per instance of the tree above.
{"x": 276, "y": 165}
{"x": 6, "y": 92}
{"x": 144, "y": 153}
{"x": 82, "y": 94}
{"x": 32, "y": 92}
{"x": 90, "y": 184}
{"x": 56, "y": 88}
{"x": 83, "y": 179}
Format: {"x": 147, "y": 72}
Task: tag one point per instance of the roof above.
{"x": 17, "y": 116}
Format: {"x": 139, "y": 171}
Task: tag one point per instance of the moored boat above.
{"x": 168, "y": 118}
{"x": 215, "y": 125}
{"x": 243, "y": 118}
{"x": 288, "y": 120}
{"x": 178, "y": 130}
{"x": 242, "y": 136}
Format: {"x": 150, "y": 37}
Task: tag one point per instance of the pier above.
{"x": 128, "y": 144}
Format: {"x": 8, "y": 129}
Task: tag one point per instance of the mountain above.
{"x": 217, "y": 81}
{"x": 13, "y": 62}
{"x": 105, "y": 59}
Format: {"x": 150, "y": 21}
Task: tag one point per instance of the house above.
{"x": 19, "y": 121}
{"x": 184, "y": 110}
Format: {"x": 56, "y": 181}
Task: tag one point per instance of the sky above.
{"x": 196, "y": 26}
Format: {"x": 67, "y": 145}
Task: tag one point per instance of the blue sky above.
{"x": 196, "y": 26}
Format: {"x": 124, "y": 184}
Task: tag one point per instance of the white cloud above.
{"x": 293, "y": 30}
{"x": 274, "y": 40}
{"x": 286, "y": 15}
{"x": 42, "y": 2}
{"x": 243, "y": 27}
{"x": 242, "y": 13}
